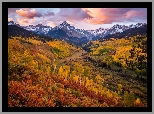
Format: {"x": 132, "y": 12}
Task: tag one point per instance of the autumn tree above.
{"x": 120, "y": 89}
{"x": 79, "y": 70}
{"x": 128, "y": 98}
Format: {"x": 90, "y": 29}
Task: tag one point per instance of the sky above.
{"x": 82, "y": 18}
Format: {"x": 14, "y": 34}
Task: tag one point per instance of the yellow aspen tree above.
{"x": 76, "y": 78}
{"x": 98, "y": 79}
{"x": 87, "y": 82}
{"x": 79, "y": 70}
{"x": 60, "y": 72}
{"x": 119, "y": 88}
{"x": 137, "y": 101}
{"x": 66, "y": 71}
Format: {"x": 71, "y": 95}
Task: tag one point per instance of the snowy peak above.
{"x": 118, "y": 28}
{"x": 40, "y": 29}
{"x": 140, "y": 24}
{"x": 13, "y": 23}
{"x": 66, "y": 30}
{"x": 65, "y": 24}
{"x": 71, "y": 31}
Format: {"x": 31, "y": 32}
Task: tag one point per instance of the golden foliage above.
{"x": 31, "y": 83}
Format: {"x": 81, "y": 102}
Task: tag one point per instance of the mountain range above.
{"x": 80, "y": 36}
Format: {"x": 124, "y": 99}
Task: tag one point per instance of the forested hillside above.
{"x": 125, "y": 59}
{"x": 57, "y": 74}
{"x": 129, "y": 53}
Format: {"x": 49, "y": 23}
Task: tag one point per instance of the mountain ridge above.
{"x": 77, "y": 36}
{"x": 99, "y": 30}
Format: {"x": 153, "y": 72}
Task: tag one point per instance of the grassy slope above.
{"x": 34, "y": 81}
{"x": 116, "y": 49}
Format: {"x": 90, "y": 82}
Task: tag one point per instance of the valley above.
{"x": 58, "y": 74}
{"x": 68, "y": 67}
{"x": 111, "y": 77}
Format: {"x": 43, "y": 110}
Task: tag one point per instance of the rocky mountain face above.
{"x": 39, "y": 29}
{"x": 80, "y": 36}
{"x": 19, "y": 31}
{"x": 139, "y": 29}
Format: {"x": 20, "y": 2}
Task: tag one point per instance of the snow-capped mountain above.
{"x": 72, "y": 34}
{"x": 13, "y": 23}
{"x": 71, "y": 31}
{"x": 40, "y": 29}
{"x": 115, "y": 29}
{"x": 101, "y": 32}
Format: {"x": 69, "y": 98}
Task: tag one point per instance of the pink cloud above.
{"x": 81, "y": 16}
{"x": 77, "y": 25}
{"x": 28, "y": 13}
{"x": 94, "y": 12}
{"x": 98, "y": 16}
{"x": 71, "y": 23}
{"x": 26, "y": 9}
{"x": 96, "y": 21}
{"x": 110, "y": 15}
{"x": 12, "y": 10}
{"x": 132, "y": 14}
{"x": 22, "y": 21}
{"x": 9, "y": 19}
{"x": 50, "y": 23}
{"x": 73, "y": 13}
{"x": 25, "y": 22}
{"x": 116, "y": 10}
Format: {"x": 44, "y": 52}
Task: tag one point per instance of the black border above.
{"x": 6, "y": 5}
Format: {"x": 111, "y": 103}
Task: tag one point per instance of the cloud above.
{"x": 134, "y": 15}
{"x": 94, "y": 12}
{"x": 72, "y": 23}
{"x": 73, "y": 14}
{"x": 98, "y": 16}
{"x": 69, "y": 22}
{"x": 116, "y": 10}
{"x": 22, "y": 21}
{"x": 77, "y": 25}
{"x": 49, "y": 13}
{"x": 26, "y": 9}
{"x": 96, "y": 21}
{"x": 12, "y": 10}
{"x": 25, "y": 22}
{"x": 29, "y": 14}
{"x": 110, "y": 15}
{"x": 50, "y": 23}
{"x": 83, "y": 17}
{"x": 9, "y": 19}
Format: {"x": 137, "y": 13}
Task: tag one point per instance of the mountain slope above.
{"x": 14, "y": 30}
{"x": 125, "y": 59}
{"x": 80, "y": 36}
{"x": 61, "y": 34}
{"x": 130, "y": 32}
{"x": 37, "y": 78}
{"x": 40, "y": 29}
